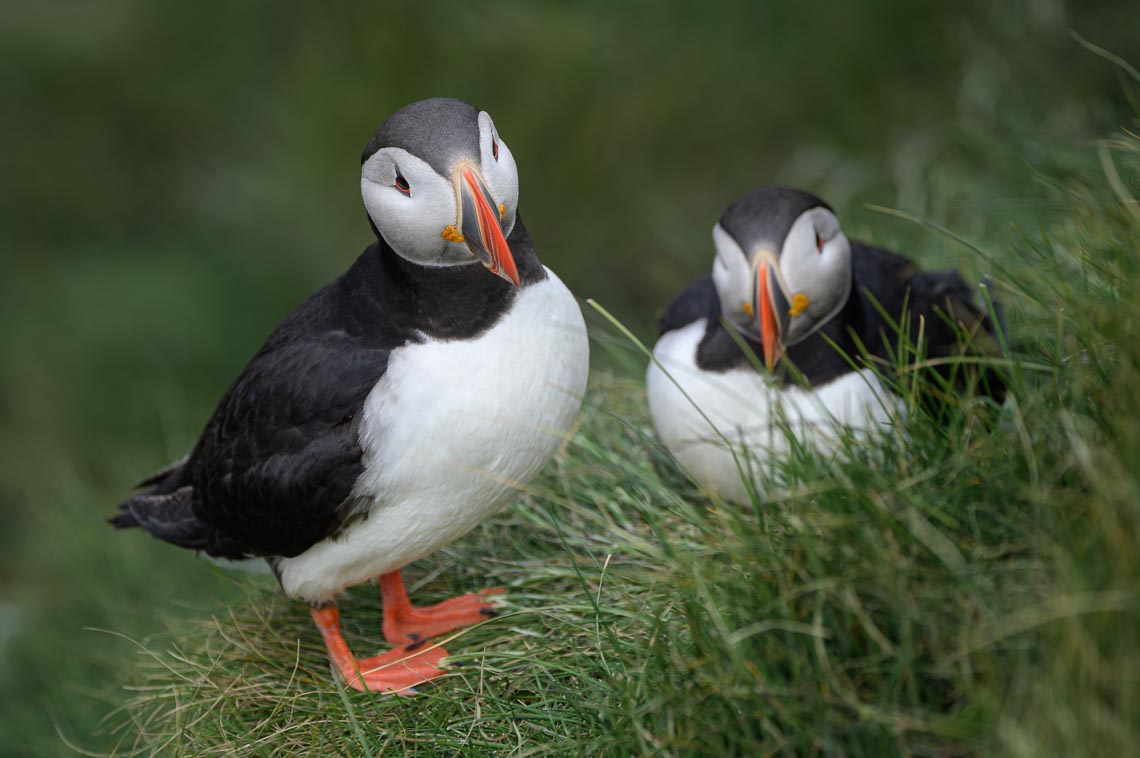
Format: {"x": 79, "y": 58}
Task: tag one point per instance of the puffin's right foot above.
{"x": 405, "y": 624}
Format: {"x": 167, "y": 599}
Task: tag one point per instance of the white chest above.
{"x": 715, "y": 424}
{"x": 450, "y": 434}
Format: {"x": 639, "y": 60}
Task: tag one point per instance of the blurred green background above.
{"x": 176, "y": 176}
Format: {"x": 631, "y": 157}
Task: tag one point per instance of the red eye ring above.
{"x": 495, "y": 148}
{"x": 402, "y": 184}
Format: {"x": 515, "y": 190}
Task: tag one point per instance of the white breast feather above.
{"x": 744, "y": 412}
{"x": 450, "y": 433}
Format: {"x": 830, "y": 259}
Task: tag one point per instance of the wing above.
{"x": 280, "y": 456}
{"x": 941, "y": 303}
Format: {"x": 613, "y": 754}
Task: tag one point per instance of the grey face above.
{"x": 441, "y": 187}
{"x": 783, "y": 267}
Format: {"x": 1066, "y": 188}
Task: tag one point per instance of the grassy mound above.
{"x": 974, "y": 588}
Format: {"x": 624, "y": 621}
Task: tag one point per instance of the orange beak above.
{"x": 481, "y": 224}
{"x": 769, "y": 326}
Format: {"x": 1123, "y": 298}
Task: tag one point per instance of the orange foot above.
{"x": 404, "y": 624}
{"x": 398, "y": 670}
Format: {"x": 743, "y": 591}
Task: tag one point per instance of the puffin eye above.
{"x": 402, "y": 184}
{"x": 818, "y": 243}
{"x": 495, "y": 148}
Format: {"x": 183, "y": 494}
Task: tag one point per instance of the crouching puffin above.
{"x": 784, "y": 278}
{"x": 397, "y": 407}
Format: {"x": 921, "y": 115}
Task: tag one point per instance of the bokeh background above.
{"x": 176, "y": 176}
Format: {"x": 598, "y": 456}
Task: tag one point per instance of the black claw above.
{"x": 414, "y": 637}
{"x": 414, "y": 645}
{"x": 488, "y": 612}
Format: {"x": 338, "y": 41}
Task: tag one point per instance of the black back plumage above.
{"x": 273, "y": 471}
{"x": 938, "y": 302}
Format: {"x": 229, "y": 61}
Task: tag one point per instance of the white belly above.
{"x": 450, "y": 434}
{"x": 741, "y": 412}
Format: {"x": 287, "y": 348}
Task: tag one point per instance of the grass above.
{"x": 179, "y": 179}
{"x": 974, "y": 590}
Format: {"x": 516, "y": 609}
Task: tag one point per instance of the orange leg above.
{"x": 397, "y": 670}
{"x": 404, "y": 624}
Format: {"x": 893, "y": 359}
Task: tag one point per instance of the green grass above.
{"x": 178, "y": 178}
{"x": 972, "y": 590}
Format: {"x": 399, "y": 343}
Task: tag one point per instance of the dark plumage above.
{"x": 272, "y": 472}
{"x": 440, "y": 130}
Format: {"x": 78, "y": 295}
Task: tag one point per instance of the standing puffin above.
{"x": 784, "y": 278}
{"x": 396, "y": 408}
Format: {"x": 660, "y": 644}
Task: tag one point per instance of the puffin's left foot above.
{"x": 404, "y": 624}
{"x": 398, "y": 670}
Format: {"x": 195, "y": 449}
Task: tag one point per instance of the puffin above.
{"x": 790, "y": 338}
{"x": 397, "y": 407}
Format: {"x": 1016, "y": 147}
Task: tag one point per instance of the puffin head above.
{"x": 782, "y": 267}
{"x": 441, "y": 187}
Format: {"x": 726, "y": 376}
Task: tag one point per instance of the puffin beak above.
{"x": 762, "y": 307}
{"x": 769, "y": 306}
{"x": 480, "y": 223}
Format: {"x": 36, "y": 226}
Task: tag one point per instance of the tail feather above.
{"x": 168, "y": 516}
{"x": 164, "y": 508}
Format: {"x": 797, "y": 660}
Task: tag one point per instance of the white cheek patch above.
{"x": 411, "y": 224}
{"x": 501, "y": 174}
{"x": 731, "y": 274}
{"x": 819, "y": 280}
{"x": 799, "y": 258}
